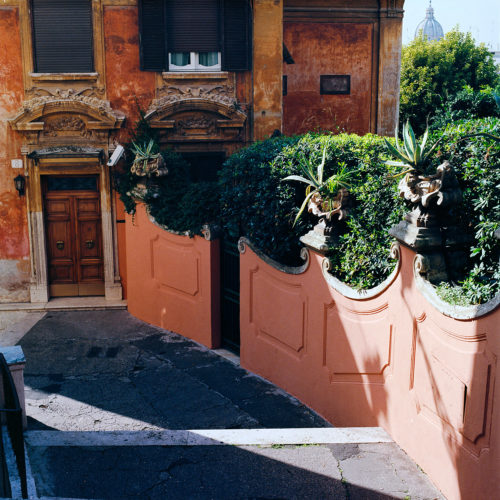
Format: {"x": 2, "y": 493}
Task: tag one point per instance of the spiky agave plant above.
{"x": 143, "y": 155}
{"x": 411, "y": 153}
{"x": 316, "y": 186}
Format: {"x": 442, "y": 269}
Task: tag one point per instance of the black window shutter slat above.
{"x": 193, "y": 25}
{"x": 237, "y": 36}
{"x": 152, "y": 35}
{"x": 62, "y": 36}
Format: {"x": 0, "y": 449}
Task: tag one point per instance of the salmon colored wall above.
{"x": 126, "y": 84}
{"x": 14, "y": 247}
{"x": 172, "y": 280}
{"x": 392, "y": 360}
{"x": 327, "y": 49}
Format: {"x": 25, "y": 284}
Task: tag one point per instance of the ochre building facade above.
{"x": 75, "y": 73}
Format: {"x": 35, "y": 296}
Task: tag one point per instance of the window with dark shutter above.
{"x": 152, "y": 35}
{"x": 237, "y": 36}
{"x": 195, "y": 26}
{"x": 62, "y": 36}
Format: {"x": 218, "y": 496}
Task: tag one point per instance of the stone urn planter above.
{"x": 331, "y": 224}
{"x": 148, "y": 164}
{"x": 431, "y": 227}
{"x": 153, "y": 166}
{"x": 328, "y": 199}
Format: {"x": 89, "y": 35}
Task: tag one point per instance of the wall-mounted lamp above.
{"x": 20, "y": 184}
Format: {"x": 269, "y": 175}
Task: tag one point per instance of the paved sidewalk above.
{"x": 111, "y": 387}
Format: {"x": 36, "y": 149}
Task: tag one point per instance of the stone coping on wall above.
{"x": 333, "y": 282}
{"x": 209, "y": 232}
{"x": 352, "y": 293}
{"x": 452, "y": 311}
{"x": 304, "y": 255}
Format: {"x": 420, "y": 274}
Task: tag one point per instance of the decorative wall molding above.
{"x": 222, "y": 94}
{"x": 61, "y": 116}
{"x": 197, "y": 108}
{"x": 90, "y": 96}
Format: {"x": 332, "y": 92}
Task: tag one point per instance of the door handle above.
{"x": 89, "y": 244}
{"x": 60, "y": 244}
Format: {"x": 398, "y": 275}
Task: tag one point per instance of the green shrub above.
{"x": 468, "y": 104}
{"x": 257, "y": 204}
{"x": 361, "y": 257}
{"x": 476, "y": 161}
{"x": 434, "y": 71}
{"x": 178, "y": 203}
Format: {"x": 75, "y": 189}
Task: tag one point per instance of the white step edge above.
{"x": 210, "y": 437}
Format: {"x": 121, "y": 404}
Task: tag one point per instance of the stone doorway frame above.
{"x": 68, "y": 132}
{"x": 90, "y": 162}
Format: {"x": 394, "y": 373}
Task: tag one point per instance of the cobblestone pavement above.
{"x": 108, "y": 372}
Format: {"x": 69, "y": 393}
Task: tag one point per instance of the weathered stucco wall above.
{"x": 267, "y": 67}
{"x": 327, "y": 49}
{"x": 391, "y": 360}
{"x": 14, "y": 246}
{"x": 389, "y": 75}
{"x": 127, "y": 86}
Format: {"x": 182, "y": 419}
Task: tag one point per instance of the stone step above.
{"x": 211, "y": 437}
{"x": 66, "y": 304}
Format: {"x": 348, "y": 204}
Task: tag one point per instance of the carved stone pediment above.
{"x": 61, "y": 116}
{"x": 196, "y": 113}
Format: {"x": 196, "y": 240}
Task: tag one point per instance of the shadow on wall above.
{"x": 391, "y": 360}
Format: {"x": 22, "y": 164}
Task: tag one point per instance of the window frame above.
{"x": 194, "y": 66}
{"x": 235, "y": 52}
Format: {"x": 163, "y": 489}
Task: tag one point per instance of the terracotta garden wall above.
{"x": 173, "y": 280}
{"x": 396, "y": 356}
{"x": 390, "y": 359}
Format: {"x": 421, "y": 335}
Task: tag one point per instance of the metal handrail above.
{"x": 14, "y": 419}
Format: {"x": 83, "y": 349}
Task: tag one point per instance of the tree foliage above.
{"x": 434, "y": 71}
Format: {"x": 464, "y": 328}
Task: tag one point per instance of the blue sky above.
{"x": 480, "y": 17}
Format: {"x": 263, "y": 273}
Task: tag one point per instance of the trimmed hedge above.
{"x": 257, "y": 204}
{"x": 250, "y": 199}
{"x": 476, "y": 161}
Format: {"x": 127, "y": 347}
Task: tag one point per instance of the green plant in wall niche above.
{"x": 147, "y": 160}
{"x": 325, "y": 198}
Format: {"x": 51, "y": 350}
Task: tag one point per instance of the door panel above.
{"x": 230, "y": 294}
{"x": 74, "y": 237}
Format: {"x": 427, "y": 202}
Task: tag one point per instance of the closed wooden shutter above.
{"x": 237, "y": 36}
{"x": 152, "y": 35}
{"x": 193, "y": 25}
{"x": 62, "y": 36}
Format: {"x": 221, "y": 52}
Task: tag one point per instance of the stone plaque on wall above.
{"x": 335, "y": 84}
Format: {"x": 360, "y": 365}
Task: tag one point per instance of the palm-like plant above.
{"x": 413, "y": 154}
{"x": 324, "y": 191}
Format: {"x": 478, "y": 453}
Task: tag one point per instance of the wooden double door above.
{"x": 74, "y": 235}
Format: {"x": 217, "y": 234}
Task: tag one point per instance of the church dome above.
{"x": 429, "y": 27}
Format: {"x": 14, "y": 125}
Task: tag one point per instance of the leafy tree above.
{"x": 432, "y": 72}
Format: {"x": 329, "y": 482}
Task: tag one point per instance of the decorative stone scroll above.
{"x": 197, "y": 110}
{"x": 66, "y": 116}
{"x": 222, "y": 94}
